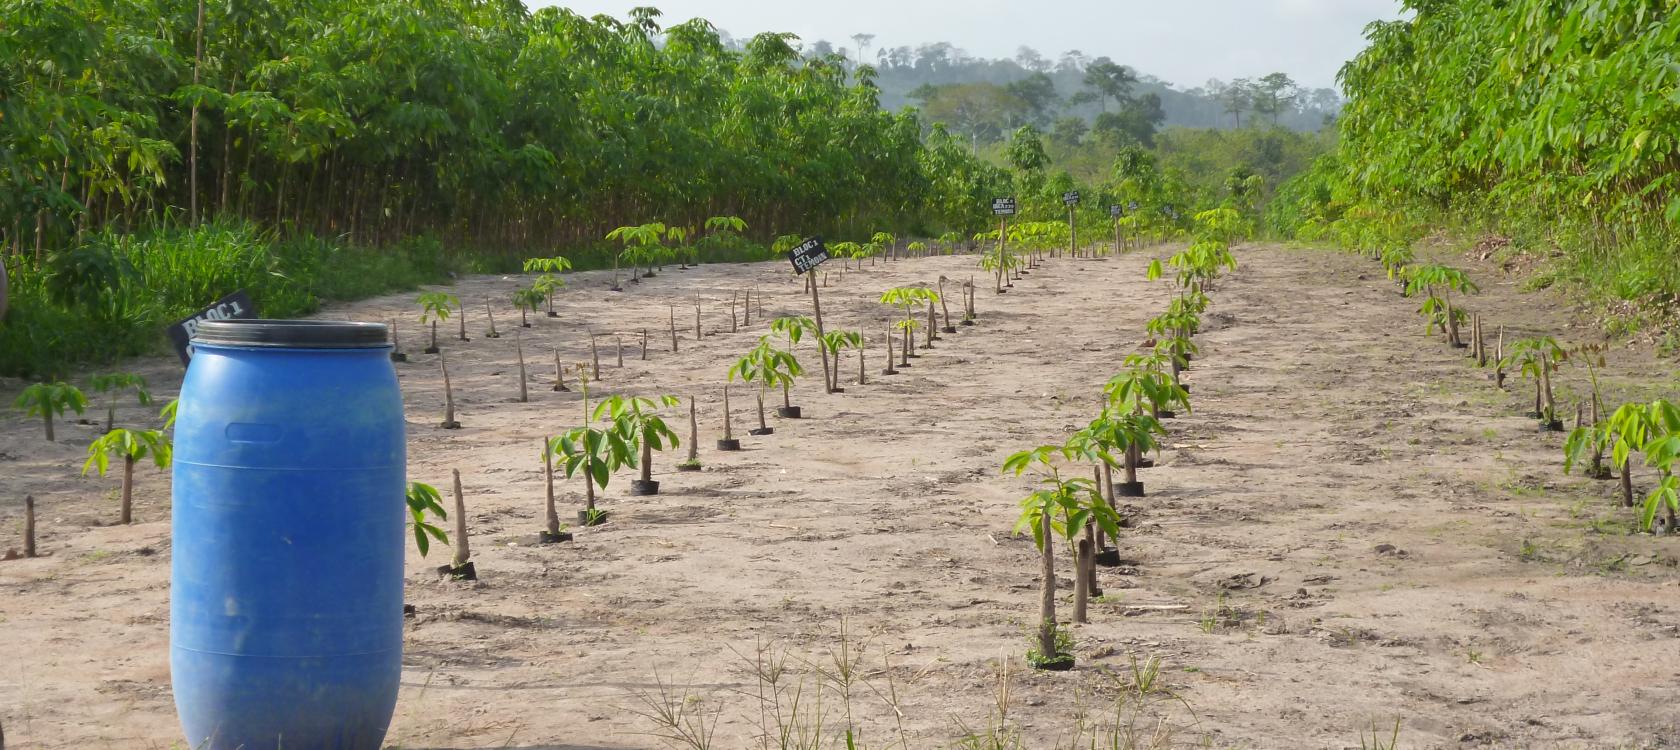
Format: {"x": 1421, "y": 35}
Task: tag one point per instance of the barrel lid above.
{"x": 291, "y": 334}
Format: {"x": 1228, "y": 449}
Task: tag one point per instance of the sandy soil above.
{"x": 1513, "y": 608}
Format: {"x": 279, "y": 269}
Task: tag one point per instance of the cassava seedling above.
{"x": 491, "y": 314}
{"x": 769, "y": 367}
{"x": 131, "y": 446}
{"x": 1586, "y": 434}
{"x": 692, "y": 463}
{"x": 424, "y": 500}
{"x": 460, "y": 567}
{"x": 908, "y": 299}
{"x": 397, "y": 354}
{"x": 111, "y": 386}
{"x": 448, "y": 422}
{"x": 792, "y": 329}
{"x": 46, "y": 400}
{"x": 559, "y": 373}
{"x": 553, "y": 531}
{"x": 638, "y": 421}
{"x": 435, "y": 307}
{"x": 728, "y": 441}
{"x": 1437, "y": 283}
{"x": 519, "y": 350}
{"x": 1062, "y": 505}
{"x": 548, "y": 283}
{"x": 1536, "y": 358}
{"x": 640, "y": 245}
{"x": 527, "y": 300}
{"x": 946, "y": 308}
{"x": 29, "y": 526}
{"x": 1662, "y": 452}
{"x": 835, "y": 342}
{"x": 595, "y": 453}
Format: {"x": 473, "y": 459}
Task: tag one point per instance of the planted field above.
{"x": 1351, "y": 526}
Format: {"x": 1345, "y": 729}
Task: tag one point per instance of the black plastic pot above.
{"x": 583, "y": 518}
{"x": 644, "y": 488}
{"x": 948, "y": 329}
{"x": 838, "y": 390}
{"x": 1168, "y": 414}
{"x": 690, "y": 467}
{"x": 430, "y": 350}
{"x": 889, "y": 371}
{"x": 1460, "y": 345}
{"x": 1555, "y": 425}
{"x": 543, "y": 537}
{"x": 787, "y": 412}
{"x": 729, "y": 445}
{"x": 1146, "y": 463}
{"x": 449, "y": 425}
{"x": 762, "y": 431}
{"x": 1128, "y": 489}
{"x": 558, "y": 388}
{"x": 464, "y": 573}
{"x": 553, "y": 314}
{"x": 968, "y": 322}
{"x": 492, "y": 335}
{"x": 399, "y": 357}
{"x": 1062, "y": 663}
{"x": 1109, "y": 557}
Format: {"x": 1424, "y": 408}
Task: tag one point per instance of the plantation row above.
{"x": 1649, "y": 431}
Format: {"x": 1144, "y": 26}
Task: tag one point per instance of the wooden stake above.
{"x": 673, "y": 328}
{"x": 620, "y": 341}
{"x": 746, "y": 310}
{"x": 461, "y": 312}
{"x": 594, "y": 359}
{"x": 816, "y": 305}
{"x": 644, "y": 344}
{"x": 492, "y": 315}
{"x": 733, "y": 298}
{"x": 559, "y": 373}
{"x": 863, "y": 378}
{"x": 932, "y": 329}
{"x": 699, "y": 333}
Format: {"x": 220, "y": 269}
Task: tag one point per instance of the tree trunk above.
{"x": 448, "y": 393}
{"x": 728, "y": 434}
{"x": 1627, "y": 483}
{"x": 1081, "y": 582}
{"x": 128, "y": 490}
{"x": 463, "y": 550}
{"x": 434, "y": 334}
{"x": 647, "y": 459}
{"x": 761, "y": 424}
{"x": 673, "y": 328}
{"x": 787, "y": 399}
{"x": 862, "y": 377}
{"x": 1047, "y": 589}
{"x": 462, "y": 310}
{"x": 46, "y": 417}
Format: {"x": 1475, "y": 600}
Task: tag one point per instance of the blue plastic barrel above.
{"x": 286, "y": 584}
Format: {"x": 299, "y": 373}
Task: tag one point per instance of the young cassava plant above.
{"x": 595, "y": 453}
{"x": 111, "y": 386}
{"x": 47, "y": 400}
{"x": 435, "y": 307}
{"x": 1437, "y": 283}
{"x": 769, "y": 367}
{"x": 132, "y": 446}
{"x": 1537, "y": 358}
{"x": 1062, "y": 506}
{"x": 638, "y": 420}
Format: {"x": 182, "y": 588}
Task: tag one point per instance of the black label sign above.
{"x": 1003, "y": 206}
{"x": 236, "y": 305}
{"x": 808, "y": 255}
{"x": 1116, "y": 210}
{"x": 1070, "y": 198}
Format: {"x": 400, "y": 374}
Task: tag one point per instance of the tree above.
{"x": 131, "y": 446}
{"x": 1109, "y": 81}
{"x": 46, "y": 400}
{"x": 769, "y": 367}
{"x": 1274, "y": 94}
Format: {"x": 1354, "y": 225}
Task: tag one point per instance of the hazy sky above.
{"x": 1185, "y": 42}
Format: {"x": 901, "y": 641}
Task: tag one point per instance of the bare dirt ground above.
{"x": 1512, "y": 609}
